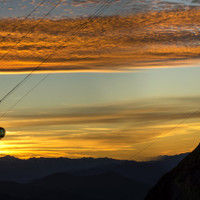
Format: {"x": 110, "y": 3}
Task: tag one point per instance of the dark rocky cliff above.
{"x": 181, "y": 183}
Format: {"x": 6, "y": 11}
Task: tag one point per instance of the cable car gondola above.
{"x": 2, "y": 132}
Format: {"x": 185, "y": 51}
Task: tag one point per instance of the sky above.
{"x": 117, "y": 79}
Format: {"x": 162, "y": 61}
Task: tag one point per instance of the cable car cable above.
{"x": 97, "y": 12}
{"x": 167, "y": 132}
{"x": 34, "y": 26}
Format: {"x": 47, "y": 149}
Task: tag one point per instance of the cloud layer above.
{"x": 114, "y": 130}
{"x": 155, "y": 39}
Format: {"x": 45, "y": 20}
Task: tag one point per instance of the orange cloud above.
{"x": 115, "y": 130}
{"x": 157, "y": 39}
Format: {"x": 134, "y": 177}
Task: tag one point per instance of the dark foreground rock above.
{"x": 181, "y": 183}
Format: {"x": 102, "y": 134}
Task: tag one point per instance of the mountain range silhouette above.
{"x": 23, "y": 171}
{"x": 85, "y": 178}
{"x": 60, "y": 186}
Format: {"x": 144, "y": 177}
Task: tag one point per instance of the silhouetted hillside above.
{"x": 147, "y": 172}
{"x": 20, "y": 170}
{"x": 59, "y": 186}
{"x": 181, "y": 183}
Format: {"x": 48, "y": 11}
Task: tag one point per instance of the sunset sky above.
{"x": 118, "y": 79}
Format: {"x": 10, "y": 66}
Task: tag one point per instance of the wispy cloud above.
{"x": 137, "y": 114}
{"x": 114, "y": 130}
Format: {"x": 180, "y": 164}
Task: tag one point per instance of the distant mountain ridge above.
{"x": 22, "y": 171}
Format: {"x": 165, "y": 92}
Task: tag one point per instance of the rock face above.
{"x": 181, "y": 183}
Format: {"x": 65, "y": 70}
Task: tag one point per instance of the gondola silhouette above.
{"x": 2, "y": 132}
